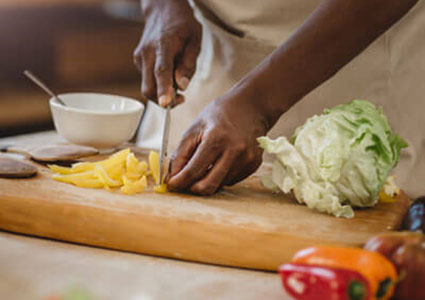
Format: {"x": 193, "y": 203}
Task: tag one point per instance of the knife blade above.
{"x": 164, "y": 144}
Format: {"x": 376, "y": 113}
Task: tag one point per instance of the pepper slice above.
{"x": 312, "y": 282}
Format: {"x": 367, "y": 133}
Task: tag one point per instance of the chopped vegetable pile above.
{"x": 121, "y": 170}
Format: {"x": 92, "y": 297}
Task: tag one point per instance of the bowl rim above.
{"x": 138, "y": 109}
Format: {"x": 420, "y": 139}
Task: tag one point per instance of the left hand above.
{"x": 220, "y": 148}
{"x": 168, "y": 49}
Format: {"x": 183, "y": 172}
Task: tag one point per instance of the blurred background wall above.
{"x": 74, "y": 45}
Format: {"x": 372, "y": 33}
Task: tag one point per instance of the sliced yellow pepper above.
{"x": 83, "y": 175}
{"x": 134, "y": 168}
{"x": 105, "y": 178}
{"x": 112, "y": 162}
{"x": 133, "y": 186}
{"x": 89, "y": 183}
{"x": 76, "y": 168}
{"x": 121, "y": 169}
{"x": 85, "y": 179}
{"x": 154, "y": 165}
{"x": 160, "y": 188}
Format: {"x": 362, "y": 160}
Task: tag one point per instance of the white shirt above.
{"x": 388, "y": 73}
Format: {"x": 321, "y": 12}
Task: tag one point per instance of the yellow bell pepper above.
{"x": 134, "y": 168}
{"x": 160, "y": 188}
{"x": 121, "y": 169}
{"x": 105, "y": 178}
{"x": 133, "y": 186}
{"x": 154, "y": 165}
{"x": 86, "y": 179}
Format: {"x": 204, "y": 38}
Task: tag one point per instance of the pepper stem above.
{"x": 356, "y": 290}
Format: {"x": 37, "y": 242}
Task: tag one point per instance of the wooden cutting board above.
{"x": 243, "y": 226}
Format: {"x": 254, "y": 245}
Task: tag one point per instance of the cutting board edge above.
{"x": 208, "y": 243}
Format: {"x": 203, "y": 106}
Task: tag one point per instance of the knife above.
{"x": 164, "y": 144}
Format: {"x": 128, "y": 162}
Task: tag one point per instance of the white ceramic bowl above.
{"x": 98, "y": 120}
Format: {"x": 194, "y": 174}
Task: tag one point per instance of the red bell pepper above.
{"x": 312, "y": 282}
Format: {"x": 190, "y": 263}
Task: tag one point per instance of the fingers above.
{"x": 231, "y": 168}
{"x": 213, "y": 180}
{"x": 144, "y": 60}
{"x": 148, "y": 85}
{"x": 179, "y": 99}
{"x": 164, "y": 69}
{"x": 165, "y": 65}
{"x": 146, "y": 63}
{"x": 187, "y": 64}
{"x": 198, "y": 165}
{"x": 137, "y": 60}
{"x": 209, "y": 169}
{"x": 184, "y": 152}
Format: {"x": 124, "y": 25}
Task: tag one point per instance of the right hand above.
{"x": 221, "y": 147}
{"x": 168, "y": 49}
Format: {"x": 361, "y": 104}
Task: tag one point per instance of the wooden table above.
{"x": 33, "y": 268}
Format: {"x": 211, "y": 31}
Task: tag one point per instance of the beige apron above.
{"x": 388, "y": 73}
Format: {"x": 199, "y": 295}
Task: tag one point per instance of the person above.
{"x": 248, "y": 68}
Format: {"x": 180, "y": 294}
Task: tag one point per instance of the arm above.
{"x": 225, "y": 135}
{"x": 332, "y": 36}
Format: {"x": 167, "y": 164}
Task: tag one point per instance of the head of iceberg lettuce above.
{"x": 336, "y": 160}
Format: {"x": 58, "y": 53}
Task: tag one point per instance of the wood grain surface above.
{"x": 243, "y": 226}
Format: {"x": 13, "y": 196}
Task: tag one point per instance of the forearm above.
{"x": 334, "y": 34}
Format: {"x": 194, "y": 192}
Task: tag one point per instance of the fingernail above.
{"x": 164, "y": 100}
{"x": 183, "y": 83}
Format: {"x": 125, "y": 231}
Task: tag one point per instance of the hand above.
{"x": 168, "y": 49}
{"x": 220, "y": 148}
